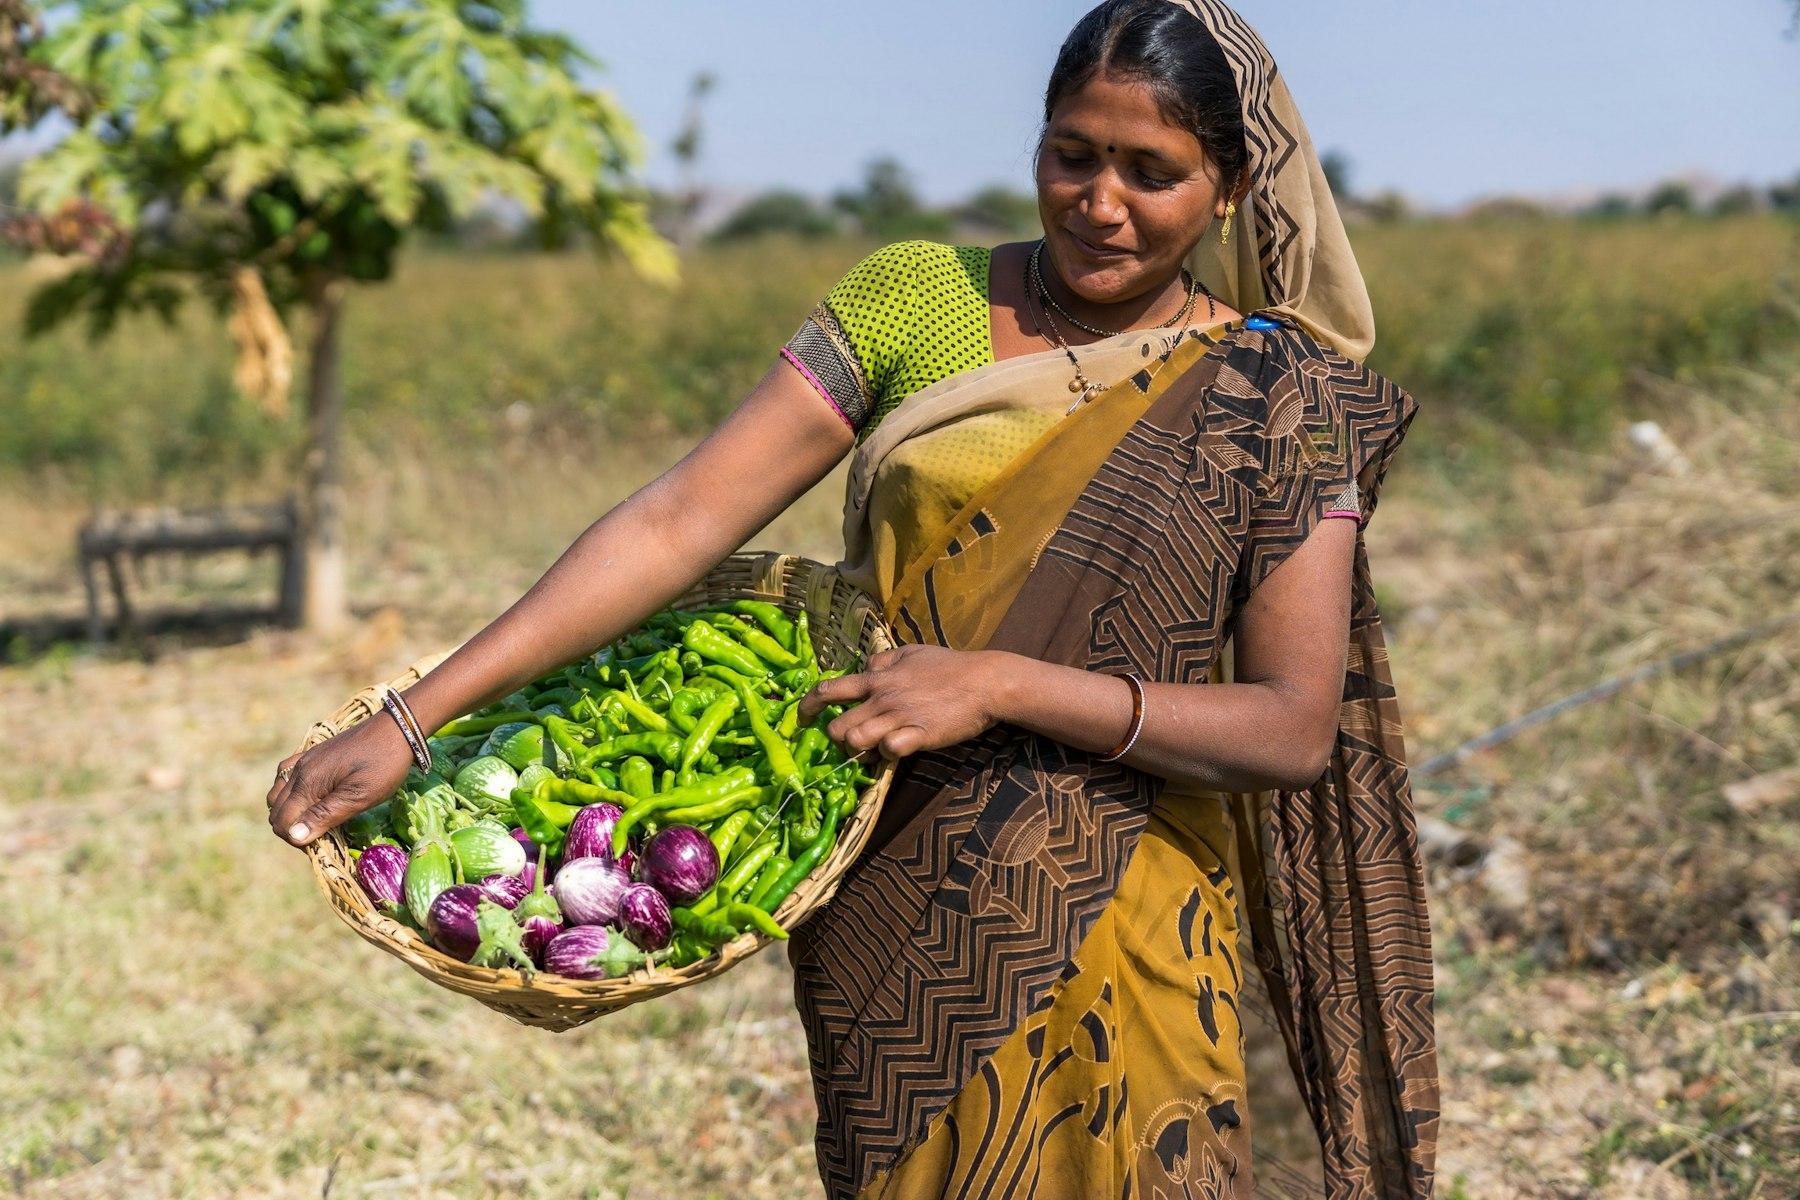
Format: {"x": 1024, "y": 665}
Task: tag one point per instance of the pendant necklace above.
{"x": 1085, "y": 388}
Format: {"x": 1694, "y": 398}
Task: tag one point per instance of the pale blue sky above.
{"x": 1445, "y": 101}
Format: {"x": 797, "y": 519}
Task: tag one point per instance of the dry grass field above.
{"x": 1619, "y": 985}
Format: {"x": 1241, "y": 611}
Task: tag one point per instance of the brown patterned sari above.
{"x": 1029, "y": 987}
{"x": 997, "y": 857}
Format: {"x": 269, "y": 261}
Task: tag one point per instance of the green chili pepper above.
{"x": 638, "y": 777}
{"x": 707, "y": 728}
{"x": 772, "y": 652}
{"x": 748, "y": 916}
{"x": 772, "y": 870}
{"x": 564, "y": 696}
{"x": 803, "y": 647}
{"x": 686, "y": 950}
{"x": 643, "y": 714}
{"x": 769, "y": 616}
{"x": 811, "y": 818}
{"x": 665, "y": 746}
{"x": 727, "y": 676}
{"x": 843, "y": 800}
{"x": 464, "y": 726}
{"x": 544, "y": 819}
{"x": 811, "y": 742}
{"x": 725, "y": 835}
{"x": 686, "y": 705}
{"x": 605, "y": 713}
{"x": 597, "y": 775}
{"x": 789, "y": 723}
{"x": 712, "y": 929}
{"x": 781, "y": 759}
{"x": 720, "y": 785}
{"x": 567, "y": 737}
{"x": 577, "y": 793}
{"x": 803, "y": 864}
{"x": 709, "y": 643}
{"x": 745, "y": 798}
{"x": 620, "y": 667}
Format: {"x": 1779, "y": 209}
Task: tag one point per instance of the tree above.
{"x": 1336, "y": 165}
{"x": 29, "y": 88}
{"x": 267, "y": 154}
{"x": 1611, "y": 207}
{"x": 686, "y": 148}
{"x": 1785, "y": 197}
{"x": 1671, "y": 197}
{"x": 886, "y": 207}
{"x": 1387, "y": 208}
{"x": 779, "y": 211}
{"x": 1737, "y": 200}
{"x": 999, "y": 210}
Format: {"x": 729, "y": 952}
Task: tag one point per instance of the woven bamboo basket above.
{"x": 845, "y": 624}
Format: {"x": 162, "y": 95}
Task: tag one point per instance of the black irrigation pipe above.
{"x": 1598, "y": 691}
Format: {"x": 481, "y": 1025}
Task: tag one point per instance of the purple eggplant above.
{"x": 591, "y": 952}
{"x": 588, "y": 890}
{"x": 382, "y": 872}
{"x": 538, "y": 914}
{"x": 539, "y": 933}
{"x": 644, "y": 916}
{"x": 451, "y": 923}
{"x": 590, "y": 835}
{"x": 506, "y": 890}
{"x": 681, "y": 863}
{"x": 529, "y": 846}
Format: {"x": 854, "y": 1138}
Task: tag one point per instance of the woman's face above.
{"x": 1123, "y": 194}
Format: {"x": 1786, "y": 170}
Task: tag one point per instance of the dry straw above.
{"x": 845, "y": 624}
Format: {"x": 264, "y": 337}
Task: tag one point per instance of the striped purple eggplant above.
{"x": 590, "y": 833}
{"x": 451, "y": 923}
{"x": 644, "y": 916}
{"x": 588, "y": 890}
{"x": 381, "y": 870}
{"x": 540, "y": 931}
{"x": 591, "y": 952}
{"x": 682, "y": 863}
{"x": 506, "y": 890}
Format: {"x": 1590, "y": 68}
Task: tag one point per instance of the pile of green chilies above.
{"x": 691, "y": 720}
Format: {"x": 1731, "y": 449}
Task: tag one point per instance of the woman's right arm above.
{"x": 781, "y": 440}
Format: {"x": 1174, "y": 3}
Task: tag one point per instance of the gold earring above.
{"x": 1225, "y": 229}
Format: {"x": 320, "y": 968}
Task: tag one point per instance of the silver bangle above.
{"x": 409, "y": 728}
{"x": 1137, "y": 720}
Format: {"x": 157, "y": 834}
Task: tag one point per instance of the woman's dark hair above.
{"x": 1167, "y": 48}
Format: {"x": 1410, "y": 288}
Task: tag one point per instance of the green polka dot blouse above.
{"x": 903, "y": 318}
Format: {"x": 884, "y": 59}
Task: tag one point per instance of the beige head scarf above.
{"x": 1288, "y": 251}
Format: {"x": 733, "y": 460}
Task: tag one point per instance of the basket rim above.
{"x": 329, "y": 855}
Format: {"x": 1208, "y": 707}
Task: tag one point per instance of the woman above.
{"x": 1094, "y": 498}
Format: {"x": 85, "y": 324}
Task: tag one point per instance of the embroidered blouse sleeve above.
{"x": 850, "y": 344}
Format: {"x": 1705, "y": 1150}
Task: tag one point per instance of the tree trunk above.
{"x": 324, "y": 598}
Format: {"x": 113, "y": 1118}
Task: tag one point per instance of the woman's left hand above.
{"x": 911, "y": 698}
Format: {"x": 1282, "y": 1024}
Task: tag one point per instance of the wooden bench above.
{"x": 112, "y": 536}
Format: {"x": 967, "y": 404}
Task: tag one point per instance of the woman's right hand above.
{"x": 321, "y": 788}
